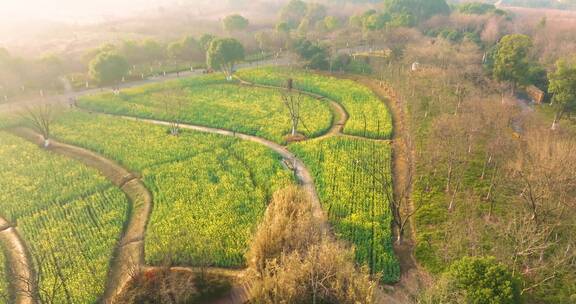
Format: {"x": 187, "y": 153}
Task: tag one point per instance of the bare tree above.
{"x": 37, "y": 286}
{"x": 546, "y": 167}
{"x": 173, "y": 104}
{"x": 292, "y": 100}
{"x": 41, "y": 117}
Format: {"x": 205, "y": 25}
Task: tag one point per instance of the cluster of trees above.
{"x": 400, "y": 13}
{"x": 513, "y": 64}
{"x": 18, "y": 75}
{"x": 479, "y": 8}
{"x": 305, "y": 17}
{"x": 489, "y": 178}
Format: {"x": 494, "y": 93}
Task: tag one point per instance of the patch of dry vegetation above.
{"x": 292, "y": 262}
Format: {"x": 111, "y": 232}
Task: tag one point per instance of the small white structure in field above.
{"x": 415, "y": 66}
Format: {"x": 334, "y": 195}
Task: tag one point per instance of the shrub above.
{"x": 478, "y": 280}
{"x": 291, "y": 263}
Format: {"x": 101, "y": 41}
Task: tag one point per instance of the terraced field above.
{"x": 69, "y": 216}
{"x": 209, "y": 191}
{"x": 208, "y": 101}
{"x": 369, "y": 117}
{"x": 348, "y": 174}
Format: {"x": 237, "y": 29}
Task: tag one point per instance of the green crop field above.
{"x": 210, "y": 191}
{"x": 346, "y": 172}
{"x": 3, "y": 279}
{"x": 369, "y": 116}
{"x": 70, "y": 217}
{"x": 210, "y": 102}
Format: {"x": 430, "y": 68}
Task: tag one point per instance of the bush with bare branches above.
{"x": 290, "y": 261}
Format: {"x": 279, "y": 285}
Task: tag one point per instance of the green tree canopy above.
{"x": 152, "y": 50}
{"x": 376, "y": 21}
{"x": 304, "y": 27}
{"x": 188, "y": 49}
{"x": 315, "y": 12}
{"x": 476, "y": 8}
{"x": 293, "y": 13}
{"x": 477, "y": 280}
{"x": 563, "y": 86}
{"x": 511, "y": 61}
{"x": 420, "y": 10}
{"x": 283, "y": 27}
{"x": 205, "y": 41}
{"x": 108, "y": 68}
{"x": 223, "y": 54}
{"x": 234, "y": 23}
{"x": 331, "y": 23}
{"x": 140, "y": 51}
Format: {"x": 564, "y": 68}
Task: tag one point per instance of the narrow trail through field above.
{"x": 22, "y": 275}
{"x": 302, "y": 173}
{"x": 129, "y": 257}
{"x": 414, "y": 278}
{"x": 340, "y": 115}
{"x": 129, "y": 254}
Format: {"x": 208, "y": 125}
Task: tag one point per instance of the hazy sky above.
{"x": 71, "y": 10}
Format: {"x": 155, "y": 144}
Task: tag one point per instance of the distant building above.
{"x": 535, "y": 94}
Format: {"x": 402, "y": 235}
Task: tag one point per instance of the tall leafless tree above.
{"x": 173, "y": 104}
{"x": 292, "y": 100}
{"x": 41, "y": 117}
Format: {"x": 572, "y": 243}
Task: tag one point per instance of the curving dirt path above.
{"x": 301, "y": 171}
{"x": 414, "y": 278}
{"x": 129, "y": 257}
{"x": 22, "y": 281}
{"x": 129, "y": 254}
{"x": 340, "y": 114}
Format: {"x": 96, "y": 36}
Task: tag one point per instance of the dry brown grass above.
{"x": 291, "y": 263}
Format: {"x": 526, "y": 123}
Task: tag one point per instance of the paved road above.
{"x": 15, "y": 107}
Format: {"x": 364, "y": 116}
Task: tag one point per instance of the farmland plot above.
{"x": 69, "y": 216}
{"x": 369, "y": 117}
{"x": 210, "y": 191}
{"x": 3, "y": 279}
{"x": 346, "y": 172}
{"x": 207, "y": 101}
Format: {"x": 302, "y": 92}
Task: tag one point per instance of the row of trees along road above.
{"x": 110, "y": 67}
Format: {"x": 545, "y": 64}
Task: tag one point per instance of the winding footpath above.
{"x": 129, "y": 254}
{"x": 340, "y": 114}
{"x": 302, "y": 173}
{"x": 23, "y": 281}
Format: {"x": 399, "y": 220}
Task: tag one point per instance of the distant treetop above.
{"x": 235, "y": 23}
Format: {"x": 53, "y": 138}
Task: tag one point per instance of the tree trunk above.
{"x": 555, "y": 122}
{"x": 449, "y": 179}
{"x": 399, "y": 232}
{"x": 486, "y": 163}
{"x": 46, "y": 143}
